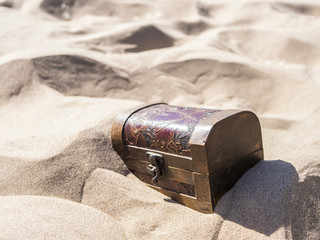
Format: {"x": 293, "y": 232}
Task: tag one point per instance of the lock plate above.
{"x": 155, "y": 167}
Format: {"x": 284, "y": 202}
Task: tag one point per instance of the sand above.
{"x": 69, "y": 67}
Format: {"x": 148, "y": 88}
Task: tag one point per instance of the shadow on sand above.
{"x": 260, "y": 199}
{"x": 271, "y": 196}
{"x": 305, "y": 211}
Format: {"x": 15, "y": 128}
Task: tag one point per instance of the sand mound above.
{"x": 66, "y": 154}
{"x": 18, "y": 79}
{"x": 147, "y": 38}
{"x": 212, "y": 77}
{"x": 194, "y": 70}
{"x": 62, "y": 175}
{"x": 142, "y": 212}
{"x": 58, "y": 8}
{"x": 33, "y": 217}
{"x": 116, "y": 9}
{"x": 192, "y": 28}
{"x": 129, "y": 39}
{"x": 7, "y": 4}
{"x": 312, "y": 9}
{"x": 273, "y": 46}
{"x": 76, "y": 75}
{"x": 245, "y": 209}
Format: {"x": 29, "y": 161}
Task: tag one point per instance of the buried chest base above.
{"x": 194, "y": 190}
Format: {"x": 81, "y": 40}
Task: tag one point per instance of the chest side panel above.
{"x": 164, "y": 128}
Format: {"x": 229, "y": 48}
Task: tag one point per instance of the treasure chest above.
{"x": 192, "y": 155}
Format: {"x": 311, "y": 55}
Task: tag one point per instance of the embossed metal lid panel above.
{"x": 164, "y": 128}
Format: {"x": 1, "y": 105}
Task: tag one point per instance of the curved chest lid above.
{"x": 164, "y": 128}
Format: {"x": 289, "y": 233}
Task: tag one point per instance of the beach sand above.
{"x": 69, "y": 67}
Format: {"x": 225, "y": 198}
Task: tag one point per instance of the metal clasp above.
{"x": 156, "y": 160}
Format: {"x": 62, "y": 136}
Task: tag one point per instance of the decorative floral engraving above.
{"x": 164, "y": 128}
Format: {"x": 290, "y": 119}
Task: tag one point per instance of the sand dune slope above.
{"x": 69, "y": 67}
{"x": 33, "y": 217}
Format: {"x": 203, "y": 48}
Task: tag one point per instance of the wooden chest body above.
{"x": 192, "y": 155}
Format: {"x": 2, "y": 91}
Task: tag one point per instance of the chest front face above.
{"x": 192, "y": 155}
